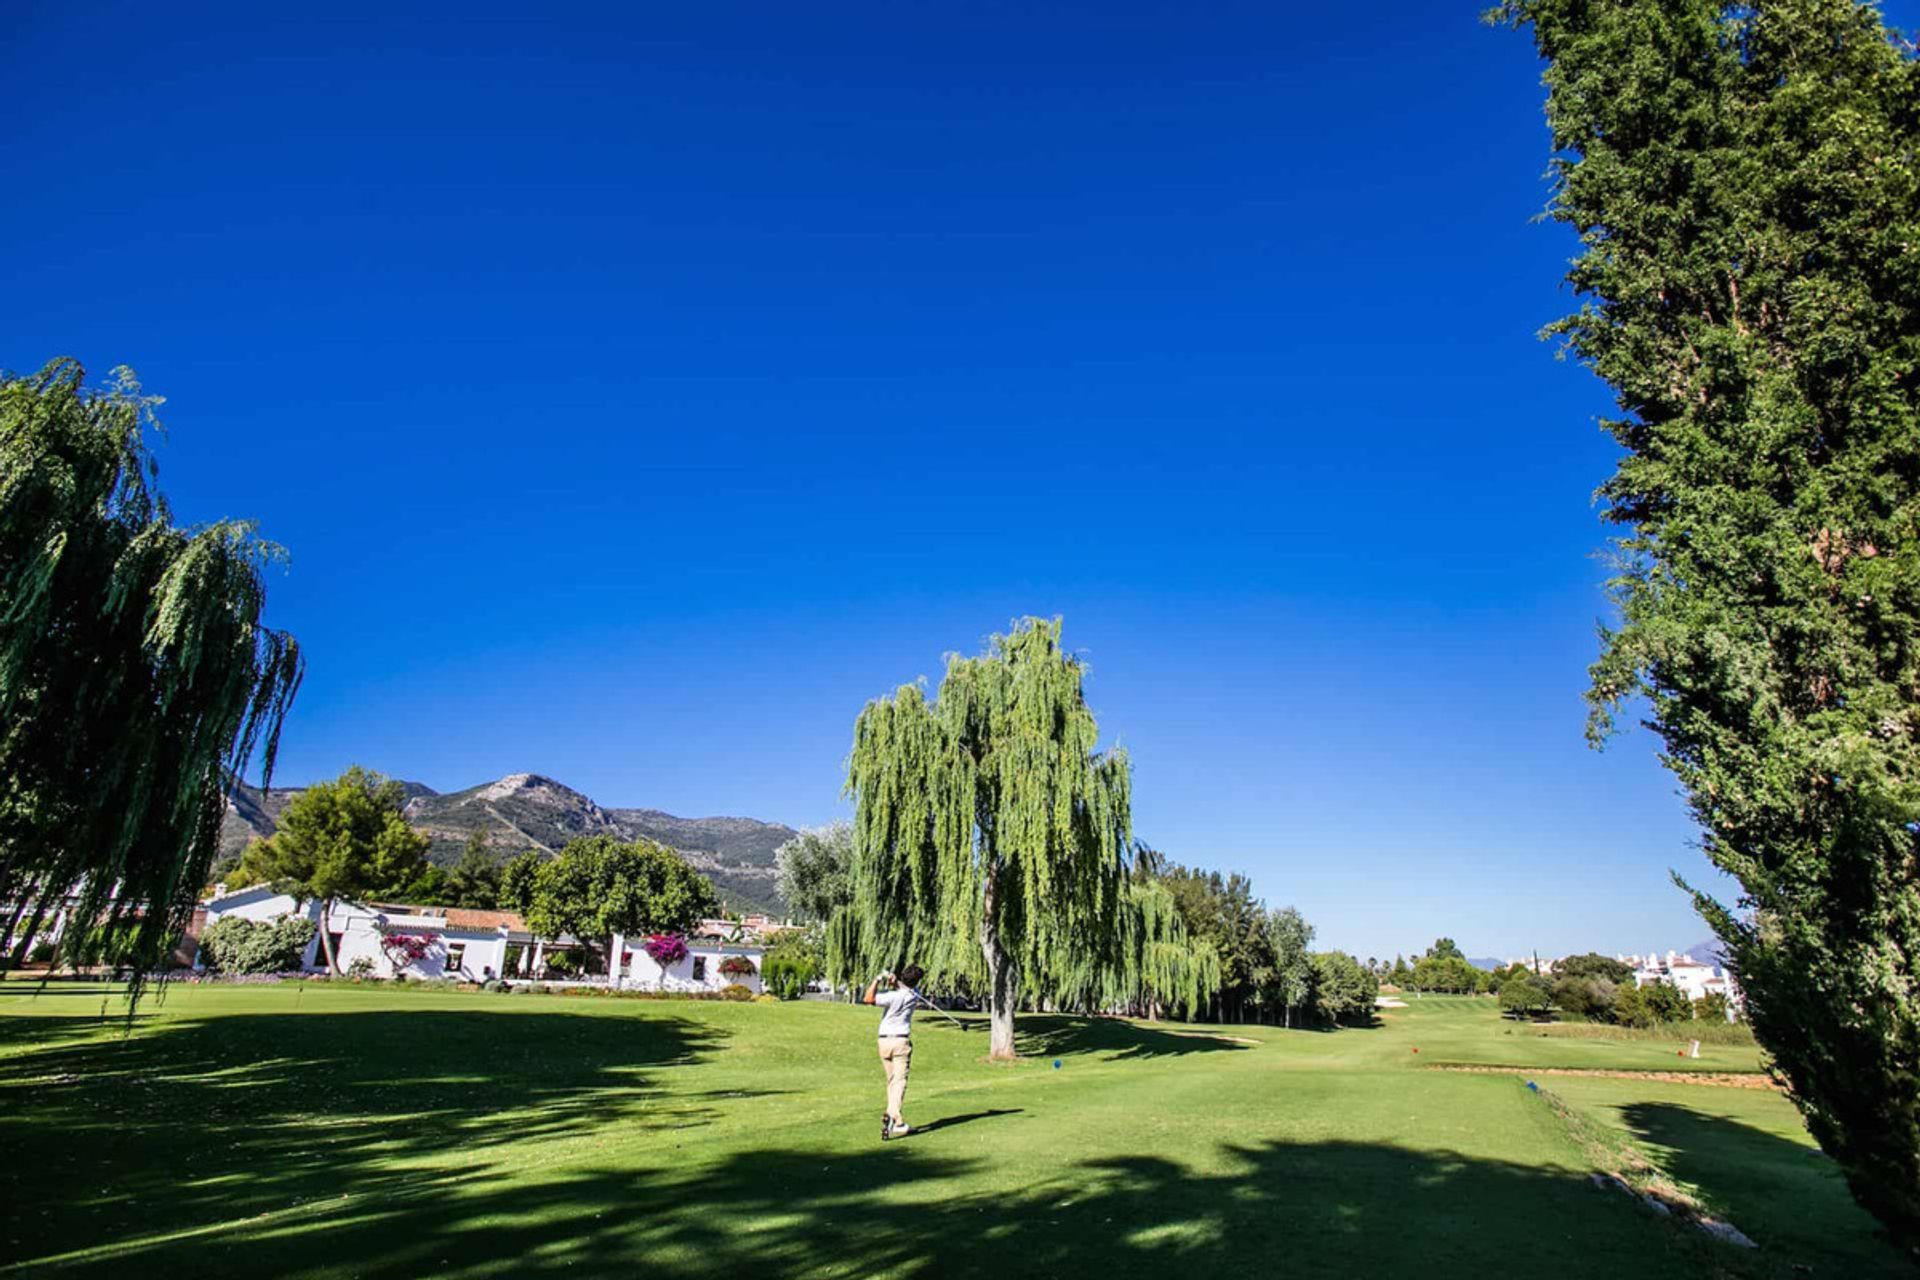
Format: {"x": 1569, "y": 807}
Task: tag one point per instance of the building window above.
{"x": 335, "y": 939}
{"x": 456, "y": 954}
{"x": 699, "y": 968}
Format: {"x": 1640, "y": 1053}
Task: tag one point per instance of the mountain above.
{"x": 1712, "y": 951}
{"x": 527, "y": 811}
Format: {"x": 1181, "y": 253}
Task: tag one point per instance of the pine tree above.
{"x": 346, "y": 838}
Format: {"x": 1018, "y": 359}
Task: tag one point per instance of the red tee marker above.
{"x": 1416, "y": 1049}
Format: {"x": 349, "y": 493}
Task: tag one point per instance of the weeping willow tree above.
{"x": 990, "y": 838}
{"x": 1174, "y": 972}
{"x": 1151, "y": 965}
{"x": 135, "y": 676}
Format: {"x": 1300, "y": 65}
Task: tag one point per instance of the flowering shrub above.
{"x": 738, "y": 967}
{"x": 666, "y": 948}
{"x": 236, "y": 945}
{"x": 735, "y": 991}
{"x": 404, "y": 949}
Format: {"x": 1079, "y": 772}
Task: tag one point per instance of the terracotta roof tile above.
{"x": 469, "y": 918}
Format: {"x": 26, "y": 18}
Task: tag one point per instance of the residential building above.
{"x": 401, "y": 939}
{"x": 1694, "y": 978}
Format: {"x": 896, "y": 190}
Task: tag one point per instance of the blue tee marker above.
{"x": 1056, "y": 1064}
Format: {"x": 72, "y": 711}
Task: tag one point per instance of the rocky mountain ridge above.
{"x": 530, "y": 811}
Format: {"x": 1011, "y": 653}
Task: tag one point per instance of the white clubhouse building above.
{"x": 390, "y": 940}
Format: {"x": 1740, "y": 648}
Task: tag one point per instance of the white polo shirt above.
{"x": 896, "y": 1018}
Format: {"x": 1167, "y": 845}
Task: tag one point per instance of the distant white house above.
{"x": 398, "y": 939}
{"x": 451, "y": 943}
{"x": 703, "y": 968}
{"x": 1694, "y": 978}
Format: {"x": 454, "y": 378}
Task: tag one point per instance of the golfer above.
{"x": 896, "y": 1042}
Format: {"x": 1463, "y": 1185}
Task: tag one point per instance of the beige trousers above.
{"x": 896, "y": 1055}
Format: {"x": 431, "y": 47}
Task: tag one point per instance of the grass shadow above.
{"x": 1039, "y": 1035}
{"x": 1789, "y": 1197}
{"x": 950, "y": 1122}
{"x": 379, "y": 1144}
{"x": 221, "y": 1118}
{"x": 1332, "y": 1209}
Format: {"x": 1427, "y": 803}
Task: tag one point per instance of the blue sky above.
{"x": 639, "y": 389}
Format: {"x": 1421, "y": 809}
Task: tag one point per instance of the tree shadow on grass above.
{"x": 45, "y": 1029}
{"x": 1269, "y": 1208}
{"x": 337, "y": 1144}
{"x": 1787, "y": 1196}
{"x": 221, "y": 1118}
{"x": 1040, "y": 1035}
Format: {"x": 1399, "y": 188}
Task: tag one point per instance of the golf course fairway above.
{"x": 333, "y": 1130}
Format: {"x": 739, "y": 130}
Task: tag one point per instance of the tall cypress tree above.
{"x": 1743, "y": 181}
{"x": 990, "y": 838}
{"x": 135, "y": 675}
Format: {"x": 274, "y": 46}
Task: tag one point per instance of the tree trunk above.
{"x": 1000, "y": 998}
{"x": 24, "y": 946}
{"x": 326, "y": 937}
{"x": 1000, "y": 979}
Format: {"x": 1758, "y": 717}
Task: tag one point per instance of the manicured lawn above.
{"x": 312, "y": 1131}
{"x": 1748, "y": 1157}
{"x": 1459, "y": 1029}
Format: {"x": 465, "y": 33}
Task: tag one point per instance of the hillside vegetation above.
{"x": 526, "y": 811}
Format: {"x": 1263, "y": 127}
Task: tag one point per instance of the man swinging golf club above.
{"x": 896, "y": 1041}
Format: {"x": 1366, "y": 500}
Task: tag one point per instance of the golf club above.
{"x": 923, "y": 1000}
{"x": 937, "y": 1009}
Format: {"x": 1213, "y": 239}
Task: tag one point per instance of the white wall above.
{"x": 641, "y": 970}
{"x": 361, "y": 933}
{"x": 359, "y": 930}
{"x": 260, "y": 905}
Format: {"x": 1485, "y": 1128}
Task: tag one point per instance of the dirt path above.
{"x": 1715, "y": 1079}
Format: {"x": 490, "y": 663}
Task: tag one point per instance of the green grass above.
{"x": 1745, "y": 1156}
{"x": 1468, "y": 1031}
{"x": 317, "y": 1131}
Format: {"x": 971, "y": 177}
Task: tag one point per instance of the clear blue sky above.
{"x": 639, "y": 389}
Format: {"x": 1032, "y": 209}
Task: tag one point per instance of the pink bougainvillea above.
{"x": 404, "y": 949}
{"x": 666, "y": 948}
{"x": 737, "y": 967}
